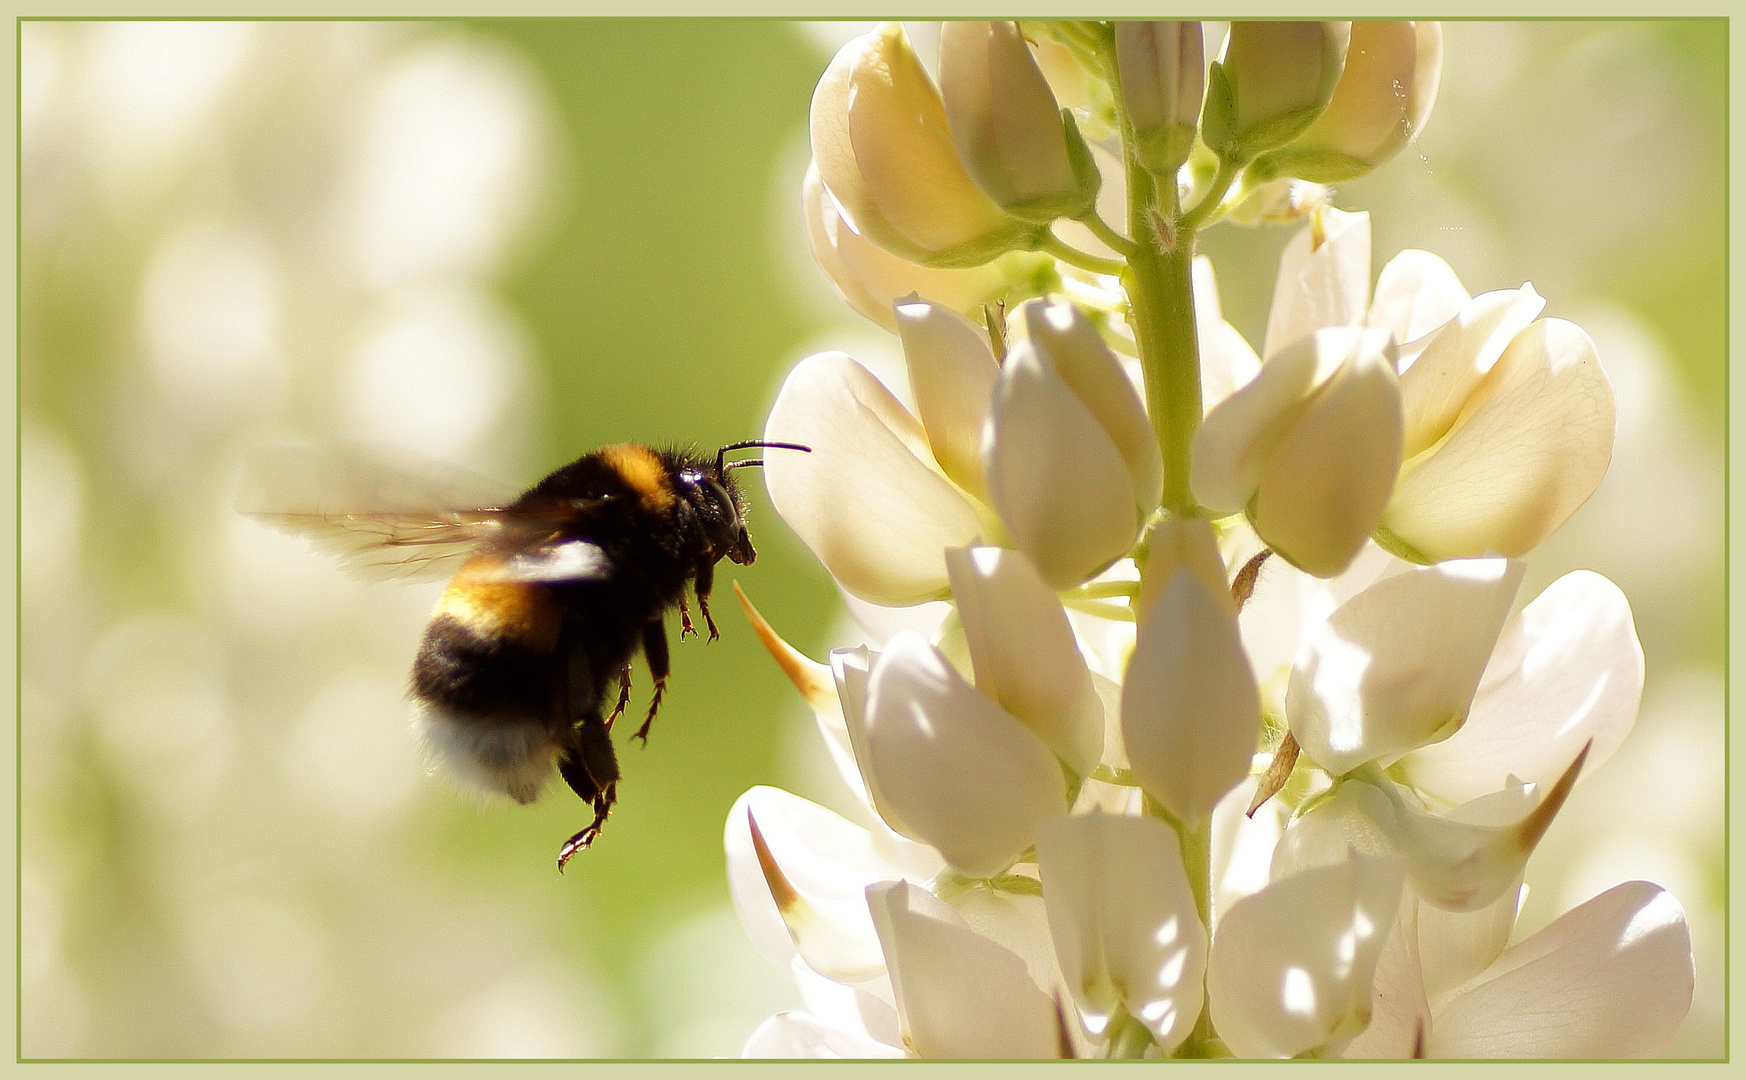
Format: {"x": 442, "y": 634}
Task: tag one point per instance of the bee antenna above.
{"x": 722, "y": 465}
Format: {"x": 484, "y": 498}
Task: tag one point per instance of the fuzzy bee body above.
{"x": 558, "y": 593}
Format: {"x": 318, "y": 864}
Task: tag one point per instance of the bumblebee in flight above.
{"x": 558, "y": 592}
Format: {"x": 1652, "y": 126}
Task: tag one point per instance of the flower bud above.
{"x": 1073, "y": 468}
{"x": 1309, "y": 449}
{"x": 1274, "y": 80}
{"x": 1381, "y": 102}
{"x": 884, "y": 149}
{"x": 1162, "y": 70}
{"x": 1016, "y": 143}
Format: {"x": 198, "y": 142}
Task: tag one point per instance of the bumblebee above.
{"x": 558, "y": 592}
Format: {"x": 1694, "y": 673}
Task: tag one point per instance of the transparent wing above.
{"x": 400, "y": 544}
{"x": 379, "y": 514}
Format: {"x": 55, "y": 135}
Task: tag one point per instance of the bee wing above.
{"x": 399, "y": 544}
{"x": 381, "y": 518}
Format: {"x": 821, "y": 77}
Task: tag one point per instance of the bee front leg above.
{"x": 701, "y": 583}
{"x": 655, "y": 652}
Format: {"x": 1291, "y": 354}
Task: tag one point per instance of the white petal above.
{"x": 1521, "y": 461}
{"x": 1567, "y": 671}
{"x": 951, "y": 372}
{"x": 1435, "y": 389}
{"x": 1611, "y": 978}
{"x": 867, "y": 500}
{"x": 1398, "y": 664}
{"x": 870, "y": 279}
{"x": 1325, "y": 484}
{"x": 1125, "y": 926}
{"x": 866, "y": 1010}
{"x": 951, "y": 768}
{"x": 1059, "y": 483}
{"x": 1415, "y": 293}
{"x": 1322, "y": 282}
{"x": 1023, "y": 651}
{"x": 1400, "y": 1016}
{"x": 1232, "y": 446}
{"x": 799, "y": 1035}
{"x": 1191, "y": 714}
{"x": 1292, "y": 965}
{"x": 960, "y": 995}
{"x": 1456, "y": 945}
{"x": 1070, "y": 343}
{"x": 1242, "y": 846}
{"x": 821, "y": 866}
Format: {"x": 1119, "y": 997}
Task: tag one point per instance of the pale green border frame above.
{"x": 9, "y": 450}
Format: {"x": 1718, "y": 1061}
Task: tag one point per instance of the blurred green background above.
{"x": 502, "y": 243}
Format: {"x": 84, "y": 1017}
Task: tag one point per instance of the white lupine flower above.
{"x": 1023, "y": 652}
{"x": 1190, "y": 711}
{"x": 1309, "y": 449}
{"x": 955, "y": 770}
{"x": 1125, "y": 926}
{"x": 1162, "y": 76}
{"x": 1115, "y": 795}
{"x": 1291, "y": 965}
{"x": 869, "y": 500}
{"x": 1068, "y": 441}
{"x": 1396, "y": 666}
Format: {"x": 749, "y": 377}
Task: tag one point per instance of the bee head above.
{"x": 724, "y": 507}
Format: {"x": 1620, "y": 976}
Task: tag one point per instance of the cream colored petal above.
{"x": 870, "y": 278}
{"x": 1436, "y": 389}
{"x": 867, "y": 500}
{"x": 1023, "y": 651}
{"x": 1611, "y": 978}
{"x": 959, "y": 994}
{"x": 1292, "y": 965}
{"x": 1568, "y": 671}
{"x": 1125, "y": 926}
{"x": 1232, "y": 446}
{"x": 1191, "y": 715}
{"x": 1399, "y": 1014}
{"x": 1174, "y": 543}
{"x": 954, "y": 770}
{"x": 905, "y": 164}
{"x": 1399, "y": 663}
{"x": 1415, "y": 294}
{"x": 1525, "y": 456}
{"x": 1326, "y": 482}
{"x": 1070, "y": 343}
{"x": 1055, "y": 477}
{"x": 952, "y": 370}
{"x": 1324, "y": 280}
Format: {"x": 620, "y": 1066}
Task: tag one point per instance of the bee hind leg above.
{"x": 655, "y": 652}
{"x": 590, "y": 767}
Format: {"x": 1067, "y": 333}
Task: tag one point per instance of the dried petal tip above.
{"x": 811, "y": 678}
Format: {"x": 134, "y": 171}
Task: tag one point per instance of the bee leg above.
{"x": 624, "y": 687}
{"x": 685, "y": 626}
{"x": 701, "y": 583}
{"x": 655, "y": 652}
{"x": 587, "y": 763}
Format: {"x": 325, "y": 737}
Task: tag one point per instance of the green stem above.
{"x": 1159, "y": 283}
{"x": 1196, "y": 842}
{"x": 1211, "y": 203}
{"x": 1072, "y": 256}
{"x": 1106, "y": 232}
